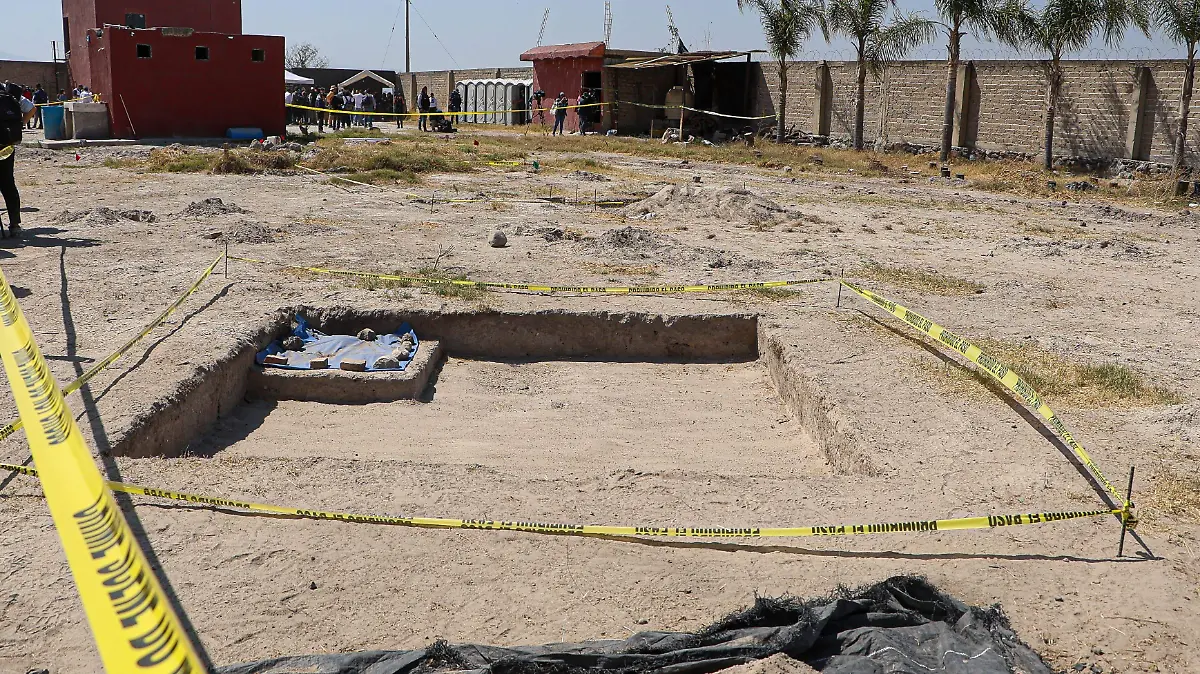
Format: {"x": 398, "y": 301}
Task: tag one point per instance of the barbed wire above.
{"x": 998, "y": 53}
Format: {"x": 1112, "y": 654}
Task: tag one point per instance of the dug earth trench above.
{"x": 830, "y": 413}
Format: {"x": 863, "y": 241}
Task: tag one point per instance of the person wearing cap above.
{"x": 560, "y": 113}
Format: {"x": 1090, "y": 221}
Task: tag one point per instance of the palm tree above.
{"x": 786, "y": 25}
{"x": 1179, "y": 20}
{"x": 1066, "y": 26}
{"x": 982, "y": 18}
{"x": 876, "y": 44}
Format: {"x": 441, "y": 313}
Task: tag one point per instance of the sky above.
{"x": 450, "y": 34}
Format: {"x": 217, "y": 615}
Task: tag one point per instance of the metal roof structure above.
{"x": 637, "y": 63}
{"x": 565, "y": 51}
{"x": 367, "y": 74}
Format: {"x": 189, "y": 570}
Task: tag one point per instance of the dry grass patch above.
{"x": 1172, "y": 494}
{"x": 917, "y": 279}
{"x": 1060, "y": 379}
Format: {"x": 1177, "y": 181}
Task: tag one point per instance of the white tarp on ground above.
{"x": 292, "y": 79}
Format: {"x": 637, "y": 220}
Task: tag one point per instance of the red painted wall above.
{"x": 174, "y": 95}
{"x": 566, "y": 75}
{"x": 204, "y": 16}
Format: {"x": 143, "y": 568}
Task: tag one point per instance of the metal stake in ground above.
{"x": 1126, "y": 513}
{"x": 226, "y": 258}
{"x": 841, "y": 276}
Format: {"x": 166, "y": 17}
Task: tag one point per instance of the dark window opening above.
{"x": 201, "y": 53}
{"x": 135, "y": 20}
{"x": 143, "y": 51}
{"x": 258, "y": 55}
{"x": 66, "y": 34}
{"x": 591, "y": 80}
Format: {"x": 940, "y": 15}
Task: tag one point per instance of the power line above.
{"x": 395, "y": 22}
{"x": 435, "y": 36}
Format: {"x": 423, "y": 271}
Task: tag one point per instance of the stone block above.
{"x": 354, "y": 365}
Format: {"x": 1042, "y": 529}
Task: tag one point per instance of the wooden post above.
{"x": 823, "y": 111}
{"x": 966, "y": 115}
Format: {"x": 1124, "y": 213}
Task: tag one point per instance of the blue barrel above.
{"x": 54, "y": 118}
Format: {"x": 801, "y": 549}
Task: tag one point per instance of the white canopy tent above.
{"x": 291, "y": 79}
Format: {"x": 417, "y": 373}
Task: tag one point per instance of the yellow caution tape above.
{"x": 366, "y": 113}
{"x": 613, "y": 290}
{"x": 1001, "y": 373}
{"x": 135, "y": 628}
{"x": 955, "y": 524}
{"x": 98, "y": 367}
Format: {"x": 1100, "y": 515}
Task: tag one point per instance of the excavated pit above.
{"x": 718, "y": 370}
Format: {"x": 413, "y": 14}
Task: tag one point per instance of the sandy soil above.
{"x": 694, "y": 444}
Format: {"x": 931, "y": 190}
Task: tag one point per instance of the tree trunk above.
{"x": 1185, "y": 105}
{"x": 1053, "y": 80}
{"x": 782, "y": 114}
{"x": 860, "y": 104}
{"x": 951, "y": 87}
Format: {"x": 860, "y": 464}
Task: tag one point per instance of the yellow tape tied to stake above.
{"x": 611, "y": 290}
{"x": 1001, "y": 373}
{"x": 956, "y": 524}
{"x": 99, "y": 367}
{"x": 136, "y": 629}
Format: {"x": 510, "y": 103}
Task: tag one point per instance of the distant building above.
{"x": 374, "y": 81}
{"x": 636, "y": 84}
{"x": 175, "y": 68}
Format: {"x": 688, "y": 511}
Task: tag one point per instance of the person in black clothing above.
{"x": 455, "y": 105}
{"x": 401, "y": 110}
{"x": 15, "y": 112}
{"x": 423, "y": 105}
{"x": 40, "y": 98}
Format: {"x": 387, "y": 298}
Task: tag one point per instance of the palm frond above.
{"x": 892, "y": 42}
{"x": 1178, "y": 20}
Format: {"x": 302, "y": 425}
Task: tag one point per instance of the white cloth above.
{"x": 358, "y": 101}
{"x": 287, "y": 98}
{"x": 26, "y": 105}
{"x": 87, "y": 97}
{"x": 433, "y": 102}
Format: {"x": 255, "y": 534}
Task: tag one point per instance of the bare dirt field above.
{"x": 1094, "y": 299}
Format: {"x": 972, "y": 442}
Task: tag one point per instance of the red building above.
{"x": 172, "y": 68}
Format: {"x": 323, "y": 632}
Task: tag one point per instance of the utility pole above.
{"x": 407, "y": 39}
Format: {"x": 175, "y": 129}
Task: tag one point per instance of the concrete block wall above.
{"x": 33, "y": 73}
{"x": 442, "y": 82}
{"x": 906, "y": 102}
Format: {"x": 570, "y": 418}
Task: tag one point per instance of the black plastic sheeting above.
{"x": 903, "y": 625}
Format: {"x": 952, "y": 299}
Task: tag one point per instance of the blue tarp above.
{"x": 338, "y": 348}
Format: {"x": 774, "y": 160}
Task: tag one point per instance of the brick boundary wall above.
{"x": 32, "y": 73}
{"x": 1008, "y": 102}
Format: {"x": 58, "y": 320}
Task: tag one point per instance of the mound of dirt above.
{"x": 726, "y": 203}
{"x": 211, "y": 207}
{"x": 589, "y": 176}
{"x": 104, "y": 216}
{"x": 635, "y": 243}
{"x": 248, "y": 231}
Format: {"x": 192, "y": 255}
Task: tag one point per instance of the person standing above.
{"x": 455, "y": 105}
{"x": 423, "y": 102}
{"x": 401, "y": 110}
{"x": 40, "y": 98}
{"x": 368, "y": 108}
{"x": 560, "y": 113}
{"x": 15, "y": 112}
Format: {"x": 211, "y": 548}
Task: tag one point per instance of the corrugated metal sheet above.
{"x": 677, "y": 59}
{"x": 565, "y": 51}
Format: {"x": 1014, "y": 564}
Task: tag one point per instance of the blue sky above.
{"x": 483, "y": 33}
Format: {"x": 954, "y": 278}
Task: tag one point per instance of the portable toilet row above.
{"x": 504, "y": 102}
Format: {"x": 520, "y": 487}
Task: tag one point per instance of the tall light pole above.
{"x": 407, "y": 39}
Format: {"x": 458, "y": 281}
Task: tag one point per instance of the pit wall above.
{"x": 808, "y": 401}
{"x": 171, "y": 423}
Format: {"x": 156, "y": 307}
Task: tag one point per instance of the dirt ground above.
{"x": 619, "y": 443}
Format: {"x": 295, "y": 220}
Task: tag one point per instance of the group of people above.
{"x": 586, "y": 110}
{"x": 361, "y": 105}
